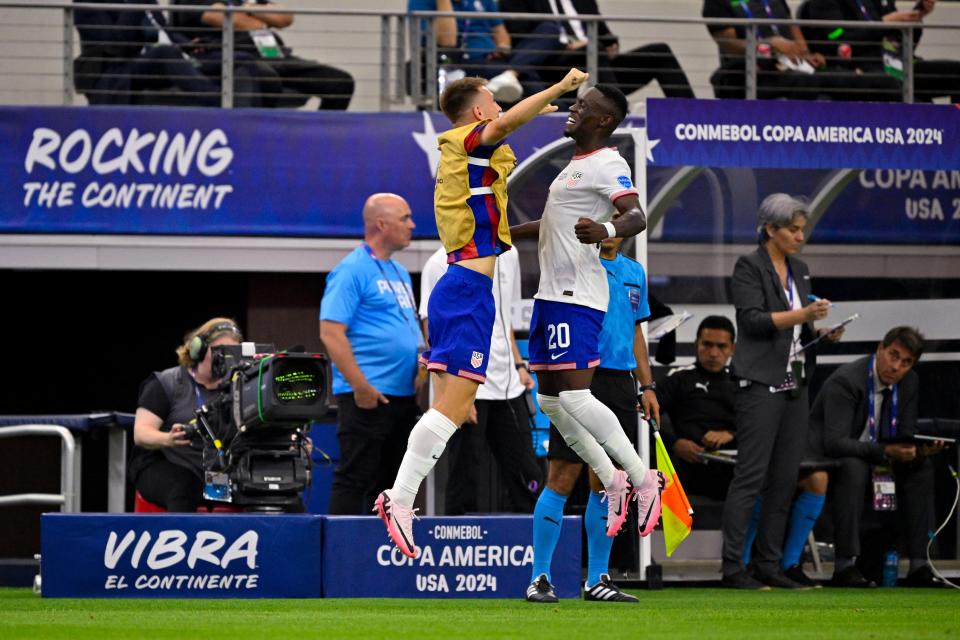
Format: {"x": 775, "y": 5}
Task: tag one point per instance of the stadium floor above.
{"x": 671, "y": 613}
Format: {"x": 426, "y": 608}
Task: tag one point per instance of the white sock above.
{"x": 603, "y": 425}
{"x": 579, "y": 439}
{"x": 427, "y": 441}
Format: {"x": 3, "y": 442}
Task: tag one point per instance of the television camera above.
{"x": 255, "y": 452}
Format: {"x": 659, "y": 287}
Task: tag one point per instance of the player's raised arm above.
{"x": 529, "y": 108}
{"x": 631, "y": 222}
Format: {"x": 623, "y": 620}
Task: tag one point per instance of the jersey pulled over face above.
{"x": 587, "y": 188}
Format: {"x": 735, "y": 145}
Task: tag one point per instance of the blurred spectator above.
{"x": 786, "y": 67}
{"x": 500, "y": 418}
{"x": 369, "y": 327}
{"x": 698, "y": 400}
{"x": 566, "y": 44}
{"x": 474, "y": 46}
{"x": 878, "y": 52}
{"x": 166, "y": 465}
{"x": 866, "y": 414}
{"x": 285, "y": 79}
{"x": 128, "y": 57}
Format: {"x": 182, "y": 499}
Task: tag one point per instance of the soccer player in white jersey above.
{"x": 572, "y": 299}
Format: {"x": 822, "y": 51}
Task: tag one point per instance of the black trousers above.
{"x": 729, "y": 81}
{"x": 711, "y": 480}
{"x": 503, "y": 429}
{"x": 249, "y": 76}
{"x": 636, "y": 68}
{"x": 372, "y": 444}
{"x": 771, "y": 442}
{"x": 175, "y": 488}
{"x": 160, "y": 67}
{"x": 307, "y": 78}
{"x": 851, "y": 485}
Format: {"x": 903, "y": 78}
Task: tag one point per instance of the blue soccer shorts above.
{"x": 564, "y": 336}
{"x": 460, "y": 315}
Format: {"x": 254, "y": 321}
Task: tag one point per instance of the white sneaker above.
{"x": 505, "y": 87}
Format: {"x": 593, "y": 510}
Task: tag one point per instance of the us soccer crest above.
{"x": 476, "y": 360}
{"x": 634, "y": 299}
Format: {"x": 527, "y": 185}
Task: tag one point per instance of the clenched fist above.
{"x": 573, "y": 79}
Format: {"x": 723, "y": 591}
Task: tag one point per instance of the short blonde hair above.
{"x": 459, "y": 96}
{"x": 206, "y": 333}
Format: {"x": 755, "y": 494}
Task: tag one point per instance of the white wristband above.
{"x": 611, "y": 230}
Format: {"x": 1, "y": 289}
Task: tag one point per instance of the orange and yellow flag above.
{"x": 677, "y": 513}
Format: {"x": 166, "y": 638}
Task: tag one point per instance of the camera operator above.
{"x": 166, "y": 464}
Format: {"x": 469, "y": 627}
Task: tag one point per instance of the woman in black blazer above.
{"x": 771, "y": 293}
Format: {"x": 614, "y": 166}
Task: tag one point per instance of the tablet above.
{"x": 919, "y": 438}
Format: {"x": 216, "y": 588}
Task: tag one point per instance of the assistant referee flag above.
{"x": 677, "y": 514}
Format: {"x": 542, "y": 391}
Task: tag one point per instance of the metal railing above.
{"x": 69, "y": 497}
{"x": 395, "y": 58}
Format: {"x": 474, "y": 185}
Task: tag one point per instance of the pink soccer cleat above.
{"x": 399, "y": 522}
{"x": 648, "y": 502}
{"x": 617, "y": 496}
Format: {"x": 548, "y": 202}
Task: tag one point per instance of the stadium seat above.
{"x": 142, "y": 505}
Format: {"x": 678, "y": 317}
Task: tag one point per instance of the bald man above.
{"x": 369, "y": 327}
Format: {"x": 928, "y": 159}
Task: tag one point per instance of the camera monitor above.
{"x": 282, "y": 389}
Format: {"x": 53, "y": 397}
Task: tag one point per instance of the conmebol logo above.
{"x": 172, "y": 546}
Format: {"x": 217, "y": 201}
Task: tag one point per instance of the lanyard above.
{"x": 790, "y": 286}
{"x": 196, "y": 388}
{"x": 871, "y": 404}
{"x": 766, "y": 9}
{"x": 863, "y": 11}
{"x": 406, "y": 287}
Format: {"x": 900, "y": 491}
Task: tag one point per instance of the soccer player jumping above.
{"x": 470, "y": 203}
{"x": 570, "y": 304}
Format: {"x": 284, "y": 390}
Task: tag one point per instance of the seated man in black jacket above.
{"x": 285, "y": 79}
{"x": 127, "y": 57}
{"x": 698, "y": 400}
{"x": 863, "y": 412}
{"x": 877, "y": 52}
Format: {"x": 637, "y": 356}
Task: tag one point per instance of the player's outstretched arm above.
{"x": 529, "y": 108}
{"x": 631, "y": 222}
{"x": 525, "y": 230}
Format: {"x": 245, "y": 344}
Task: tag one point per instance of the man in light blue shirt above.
{"x": 369, "y": 327}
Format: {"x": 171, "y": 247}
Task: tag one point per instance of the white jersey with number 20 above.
{"x": 570, "y": 271}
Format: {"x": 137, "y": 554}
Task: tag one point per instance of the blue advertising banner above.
{"x": 802, "y": 135}
{"x": 180, "y": 556}
{"x": 848, "y": 206}
{"x": 463, "y": 557}
{"x": 210, "y": 171}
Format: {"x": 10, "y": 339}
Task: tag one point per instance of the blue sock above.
{"x": 598, "y": 542}
{"x": 752, "y": 531}
{"x": 806, "y": 510}
{"x": 547, "y": 520}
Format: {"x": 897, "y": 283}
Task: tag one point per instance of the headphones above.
{"x": 198, "y": 345}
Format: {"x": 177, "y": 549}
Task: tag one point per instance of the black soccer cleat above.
{"x": 606, "y": 591}
{"x": 540, "y": 590}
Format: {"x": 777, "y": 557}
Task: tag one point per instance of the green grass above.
{"x": 670, "y": 614}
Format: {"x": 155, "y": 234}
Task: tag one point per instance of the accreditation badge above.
{"x": 884, "y": 489}
{"x": 266, "y": 43}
